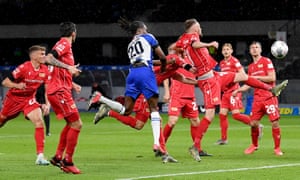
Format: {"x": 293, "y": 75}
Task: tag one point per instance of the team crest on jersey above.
{"x": 260, "y": 65}
{"x": 42, "y": 75}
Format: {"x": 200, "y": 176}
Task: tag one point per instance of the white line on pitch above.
{"x": 212, "y": 171}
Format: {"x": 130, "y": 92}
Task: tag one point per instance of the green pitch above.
{"x": 110, "y": 150}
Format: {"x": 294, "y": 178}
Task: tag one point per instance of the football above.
{"x": 279, "y": 49}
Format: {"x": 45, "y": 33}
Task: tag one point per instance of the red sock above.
{"x": 39, "y": 136}
{"x": 167, "y": 132}
{"x": 254, "y": 135}
{"x": 224, "y": 126}
{"x": 242, "y": 118}
{"x": 72, "y": 139}
{"x": 276, "y": 137}
{"x": 162, "y": 141}
{"x": 127, "y": 120}
{"x": 194, "y": 132}
{"x": 201, "y": 130}
{"x": 255, "y": 83}
{"x": 62, "y": 141}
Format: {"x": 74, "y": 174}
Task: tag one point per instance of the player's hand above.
{"x": 193, "y": 70}
{"x": 77, "y": 88}
{"x": 214, "y": 44}
{"x": 163, "y": 68}
{"x": 46, "y": 109}
{"x": 234, "y": 93}
{"x": 74, "y": 70}
{"x": 20, "y": 85}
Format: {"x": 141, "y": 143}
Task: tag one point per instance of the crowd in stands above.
{"x": 109, "y": 11}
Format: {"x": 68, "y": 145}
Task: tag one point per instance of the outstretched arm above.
{"x": 51, "y": 60}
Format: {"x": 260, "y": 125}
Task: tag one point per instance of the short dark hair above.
{"x": 36, "y": 48}
{"x": 136, "y": 25}
{"x": 189, "y": 23}
{"x": 67, "y": 28}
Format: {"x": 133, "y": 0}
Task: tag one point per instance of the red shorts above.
{"x": 186, "y": 106}
{"x": 211, "y": 91}
{"x": 141, "y": 109}
{"x": 63, "y": 105}
{"x": 269, "y": 107}
{"x": 230, "y": 102}
{"x": 12, "y": 106}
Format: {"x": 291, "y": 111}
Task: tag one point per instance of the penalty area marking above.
{"x": 212, "y": 171}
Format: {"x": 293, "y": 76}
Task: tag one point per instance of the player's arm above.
{"x": 159, "y": 52}
{"x": 76, "y": 87}
{"x": 51, "y": 59}
{"x": 46, "y": 106}
{"x": 271, "y": 77}
{"x": 166, "y": 84}
{"x": 199, "y": 44}
{"x": 241, "y": 89}
{"x": 183, "y": 79}
{"x": 9, "y": 83}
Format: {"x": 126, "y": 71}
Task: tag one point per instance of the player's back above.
{"x": 61, "y": 78}
{"x": 140, "y": 49}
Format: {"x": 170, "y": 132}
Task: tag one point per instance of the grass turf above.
{"x": 110, "y": 150}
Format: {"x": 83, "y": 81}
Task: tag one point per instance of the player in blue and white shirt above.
{"x": 140, "y": 80}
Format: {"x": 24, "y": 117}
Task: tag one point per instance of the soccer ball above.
{"x": 279, "y": 49}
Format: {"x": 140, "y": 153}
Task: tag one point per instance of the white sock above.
{"x": 40, "y": 156}
{"x": 114, "y": 105}
{"x": 155, "y": 123}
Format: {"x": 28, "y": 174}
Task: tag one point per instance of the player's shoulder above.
{"x": 26, "y": 64}
{"x": 234, "y": 59}
{"x": 265, "y": 59}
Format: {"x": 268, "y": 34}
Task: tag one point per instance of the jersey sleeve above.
{"x": 152, "y": 40}
{"x": 61, "y": 48}
{"x": 19, "y": 72}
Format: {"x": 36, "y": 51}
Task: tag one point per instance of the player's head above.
{"x": 255, "y": 48}
{"x": 227, "y": 50}
{"x": 37, "y": 53}
{"x": 137, "y": 27}
{"x": 68, "y": 29}
{"x": 192, "y": 26}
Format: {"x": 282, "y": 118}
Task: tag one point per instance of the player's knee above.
{"x": 2, "y": 120}
{"x": 139, "y": 125}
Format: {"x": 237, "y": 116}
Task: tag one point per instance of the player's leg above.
{"x": 10, "y": 110}
{"x": 69, "y": 134}
{"x": 274, "y": 117}
{"x": 211, "y": 99}
{"x": 75, "y": 124}
{"x": 172, "y": 120}
{"x": 276, "y": 134}
{"x": 141, "y": 114}
{"x": 36, "y": 118}
{"x": 223, "y": 126}
{"x": 257, "y": 114}
{"x": 105, "y": 110}
{"x": 255, "y": 83}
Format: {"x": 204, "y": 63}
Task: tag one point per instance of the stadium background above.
{"x": 101, "y": 44}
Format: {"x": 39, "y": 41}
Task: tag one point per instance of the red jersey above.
{"x": 261, "y": 68}
{"x": 180, "y": 89}
{"x": 61, "y": 78}
{"x": 230, "y": 65}
{"x": 32, "y": 77}
{"x": 200, "y": 57}
{"x": 170, "y": 69}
